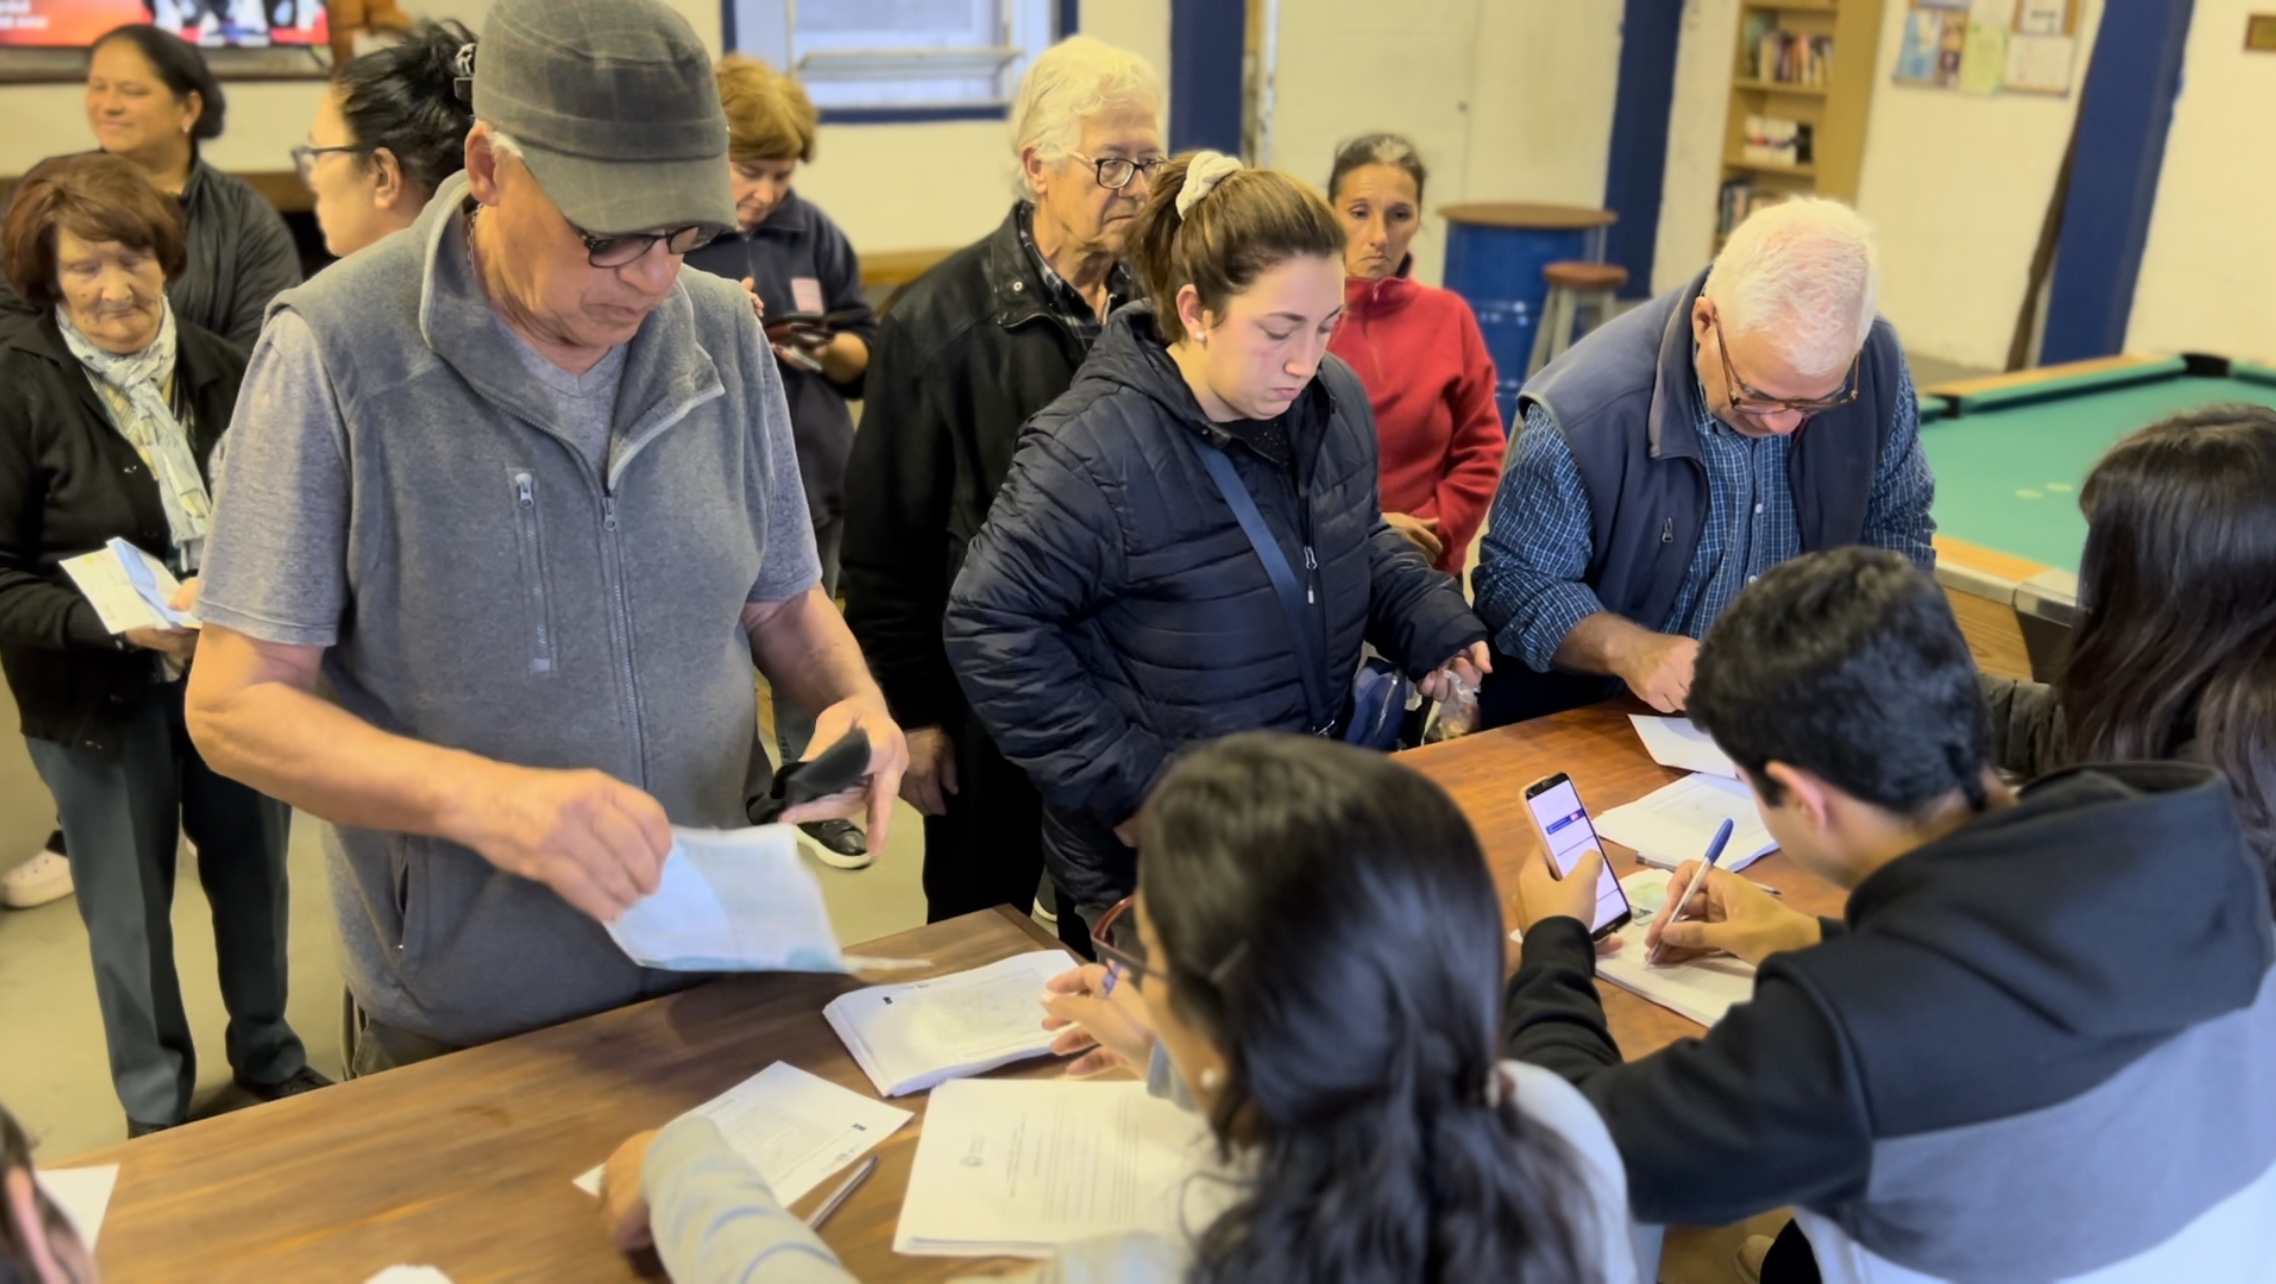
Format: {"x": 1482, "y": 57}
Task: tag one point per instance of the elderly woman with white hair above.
{"x": 1760, "y": 411}
{"x": 969, "y": 350}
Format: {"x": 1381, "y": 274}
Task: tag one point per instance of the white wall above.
{"x": 1506, "y": 101}
{"x": 891, "y": 187}
{"x": 1956, "y": 187}
{"x": 1695, "y": 141}
{"x": 2208, "y": 280}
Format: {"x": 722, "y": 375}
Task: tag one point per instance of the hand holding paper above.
{"x": 736, "y": 900}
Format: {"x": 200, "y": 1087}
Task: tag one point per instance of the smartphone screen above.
{"x": 1566, "y": 829}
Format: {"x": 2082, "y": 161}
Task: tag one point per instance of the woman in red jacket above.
{"x": 1418, "y": 350}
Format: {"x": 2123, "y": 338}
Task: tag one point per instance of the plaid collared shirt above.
{"x": 1061, "y": 297}
{"x": 1529, "y": 583}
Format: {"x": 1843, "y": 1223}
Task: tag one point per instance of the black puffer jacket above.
{"x": 1111, "y": 611}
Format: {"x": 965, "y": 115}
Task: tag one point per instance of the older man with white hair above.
{"x": 973, "y": 347}
{"x": 1760, "y": 412}
{"x": 510, "y": 517}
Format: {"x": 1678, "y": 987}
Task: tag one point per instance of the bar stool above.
{"x": 1573, "y": 286}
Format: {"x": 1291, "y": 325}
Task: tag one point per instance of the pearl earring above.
{"x": 1212, "y": 1079}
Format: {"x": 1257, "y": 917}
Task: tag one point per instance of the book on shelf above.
{"x": 1740, "y": 198}
{"x": 1781, "y": 57}
{"x": 1775, "y": 140}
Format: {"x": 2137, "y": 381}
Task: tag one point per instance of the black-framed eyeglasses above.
{"x": 1115, "y": 937}
{"x": 304, "y": 158}
{"x": 620, "y": 248}
{"x": 1115, "y": 172}
{"x": 1747, "y": 401}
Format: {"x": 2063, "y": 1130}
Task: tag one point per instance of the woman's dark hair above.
{"x": 182, "y": 68}
{"x": 15, "y": 1253}
{"x": 2177, "y": 648}
{"x": 1849, "y": 665}
{"x": 1330, "y": 923}
{"x": 404, "y": 97}
{"x": 1248, "y": 224}
{"x": 1378, "y": 149}
{"x": 100, "y": 197}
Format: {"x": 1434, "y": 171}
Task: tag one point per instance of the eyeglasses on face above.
{"x": 304, "y": 158}
{"x": 619, "y": 248}
{"x": 1116, "y": 939}
{"x": 1747, "y": 401}
{"x": 1115, "y": 172}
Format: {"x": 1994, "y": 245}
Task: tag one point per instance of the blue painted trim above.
{"x": 1070, "y": 17}
{"x": 727, "y": 26}
{"x": 1641, "y": 106}
{"x": 2125, "y": 110}
{"x": 1206, "y": 42}
{"x": 911, "y": 115}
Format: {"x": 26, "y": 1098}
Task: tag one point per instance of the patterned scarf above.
{"x": 134, "y": 387}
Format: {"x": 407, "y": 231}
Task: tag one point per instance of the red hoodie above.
{"x": 1431, "y": 384}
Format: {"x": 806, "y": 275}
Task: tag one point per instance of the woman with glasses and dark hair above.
{"x": 2175, "y": 651}
{"x": 151, "y": 99}
{"x": 806, "y": 280}
{"x": 1313, "y": 963}
{"x": 1760, "y": 411}
{"x": 390, "y": 131}
{"x": 1418, "y": 350}
{"x": 38, "y": 1243}
{"x": 114, "y": 408}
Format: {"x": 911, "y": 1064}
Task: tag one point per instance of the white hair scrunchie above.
{"x": 1202, "y": 175}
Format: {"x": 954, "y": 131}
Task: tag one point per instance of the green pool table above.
{"x": 2010, "y": 453}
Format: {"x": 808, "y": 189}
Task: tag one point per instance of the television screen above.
{"x": 215, "y": 24}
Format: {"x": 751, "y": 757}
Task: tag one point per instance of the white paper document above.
{"x": 909, "y": 1037}
{"x": 128, "y": 588}
{"x": 84, "y": 1195}
{"x": 1674, "y": 823}
{"x": 1674, "y": 742}
{"x": 793, "y": 1127}
{"x": 732, "y": 900}
{"x": 1702, "y": 989}
{"x": 1020, "y": 1167}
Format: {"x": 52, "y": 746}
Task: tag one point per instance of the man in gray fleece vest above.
{"x": 512, "y": 511}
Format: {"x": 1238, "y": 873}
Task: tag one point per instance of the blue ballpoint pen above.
{"x": 1698, "y": 876}
{"x": 1113, "y": 974}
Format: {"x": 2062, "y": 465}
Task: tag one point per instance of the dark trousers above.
{"x": 1790, "y": 1260}
{"x": 987, "y": 850}
{"x": 123, "y": 818}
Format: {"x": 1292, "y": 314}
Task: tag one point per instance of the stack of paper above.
{"x": 1674, "y": 823}
{"x": 910, "y": 1037}
{"x": 734, "y": 900}
{"x": 1675, "y": 742}
{"x": 1020, "y": 1167}
{"x": 128, "y": 588}
{"x": 794, "y": 1128}
{"x": 1702, "y": 989}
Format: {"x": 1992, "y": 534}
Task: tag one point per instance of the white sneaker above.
{"x": 44, "y": 878}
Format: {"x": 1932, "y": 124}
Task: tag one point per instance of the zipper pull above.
{"x": 608, "y": 512}
{"x": 1311, "y": 563}
{"x": 523, "y": 489}
{"x": 1667, "y": 531}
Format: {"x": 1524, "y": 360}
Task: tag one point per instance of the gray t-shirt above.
{"x": 583, "y": 404}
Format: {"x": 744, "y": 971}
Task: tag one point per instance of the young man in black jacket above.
{"x": 2037, "y": 1043}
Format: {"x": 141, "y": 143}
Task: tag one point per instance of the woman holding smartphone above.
{"x": 1312, "y": 960}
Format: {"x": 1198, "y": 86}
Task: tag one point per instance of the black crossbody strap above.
{"x": 1284, "y": 584}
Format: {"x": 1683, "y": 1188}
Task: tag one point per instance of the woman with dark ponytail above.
{"x": 392, "y": 129}
{"x": 1315, "y": 950}
{"x": 1190, "y": 542}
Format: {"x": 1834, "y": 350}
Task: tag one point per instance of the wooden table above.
{"x": 465, "y": 1163}
{"x": 1487, "y": 774}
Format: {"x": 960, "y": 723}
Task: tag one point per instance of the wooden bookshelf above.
{"x": 1834, "y": 106}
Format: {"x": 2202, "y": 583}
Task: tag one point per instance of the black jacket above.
{"x": 1948, "y": 1046}
{"x": 1112, "y": 612}
{"x": 69, "y": 482}
{"x": 964, "y": 356}
{"x": 241, "y": 256}
{"x": 799, "y": 256}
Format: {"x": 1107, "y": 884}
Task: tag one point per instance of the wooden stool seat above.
{"x": 1572, "y": 274}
